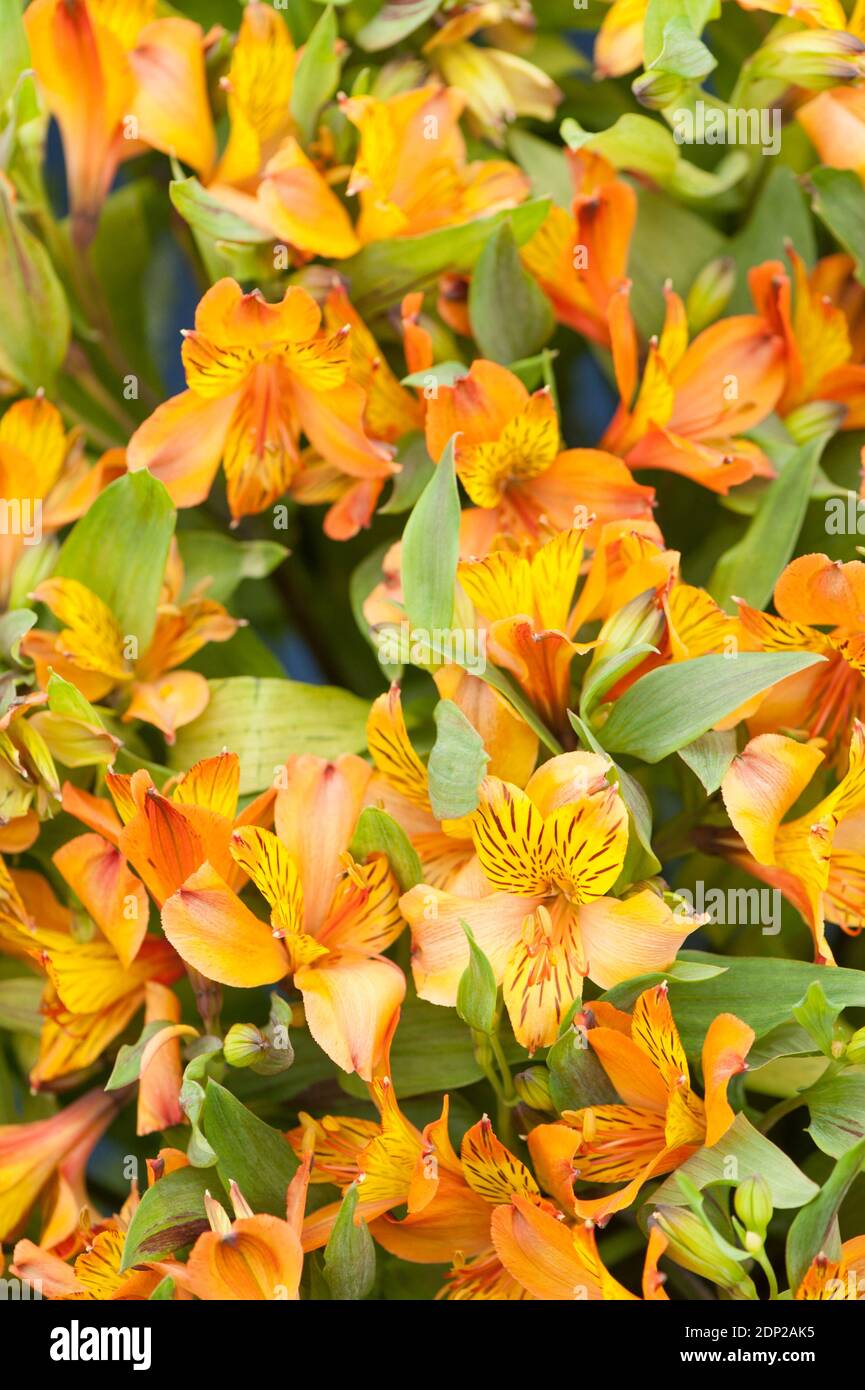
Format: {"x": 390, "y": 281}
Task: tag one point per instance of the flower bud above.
{"x": 710, "y": 292}
{"x": 815, "y": 418}
{"x": 657, "y": 89}
{"x": 855, "y": 1053}
{"x": 691, "y": 1245}
{"x": 753, "y": 1204}
{"x": 533, "y": 1088}
{"x": 244, "y": 1044}
{"x": 812, "y": 58}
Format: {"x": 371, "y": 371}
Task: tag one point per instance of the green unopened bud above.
{"x": 244, "y": 1044}
{"x": 710, "y": 292}
{"x": 691, "y": 1245}
{"x": 533, "y": 1088}
{"x": 477, "y": 990}
{"x": 656, "y": 90}
{"x": 815, "y": 418}
{"x": 855, "y": 1053}
{"x": 753, "y": 1203}
{"x": 812, "y": 58}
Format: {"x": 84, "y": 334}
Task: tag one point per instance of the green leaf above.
{"x": 395, "y": 21}
{"x": 430, "y": 550}
{"x": 316, "y": 77}
{"x": 645, "y": 146}
{"x": 35, "y": 325}
{"x": 750, "y": 569}
{"x": 510, "y": 315}
{"x": 673, "y": 705}
{"x": 20, "y": 1001}
{"x": 837, "y": 1106}
{"x": 780, "y": 213}
{"x": 839, "y": 202}
{"x": 660, "y": 14}
{"x": 762, "y": 991}
{"x": 709, "y": 756}
{"x": 127, "y": 1065}
{"x": 477, "y": 990}
{"x": 545, "y": 165}
{"x": 170, "y": 1215}
{"x": 576, "y": 1076}
{"x": 384, "y": 271}
{"x": 207, "y": 216}
{"x": 14, "y": 50}
{"x": 457, "y": 763}
{"x": 349, "y": 1256}
{"x": 753, "y": 1154}
{"x": 378, "y": 833}
{"x": 264, "y": 720}
{"x": 211, "y": 556}
{"x": 13, "y": 626}
{"x": 815, "y": 1228}
{"x": 417, "y": 470}
{"x": 248, "y": 1151}
{"x": 682, "y": 53}
{"x": 817, "y": 1017}
{"x": 136, "y": 512}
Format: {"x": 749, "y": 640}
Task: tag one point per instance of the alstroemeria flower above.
{"x": 559, "y": 1263}
{"x": 816, "y": 860}
{"x": 580, "y": 259}
{"x": 31, "y": 1155}
{"x": 450, "y": 1198}
{"x": 330, "y": 917}
{"x": 509, "y": 460}
{"x": 527, "y": 605}
{"x": 661, "y": 1121}
{"x": 29, "y": 783}
{"x": 91, "y": 651}
{"x": 822, "y": 330}
{"x": 44, "y": 466}
{"x": 253, "y": 1258}
{"x": 550, "y": 853}
{"x": 695, "y": 401}
{"x": 411, "y": 169}
{"x": 117, "y": 78}
{"x": 259, "y": 374}
{"x": 263, "y": 175}
{"x": 445, "y": 848}
{"x": 814, "y": 593}
{"x": 835, "y": 1279}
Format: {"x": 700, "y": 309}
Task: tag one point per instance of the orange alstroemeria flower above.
{"x": 556, "y": 1262}
{"x": 834, "y": 122}
{"x": 694, "y": 401}
{"x": 660, "y": 1122}
{"x": 550, "y": 853}
{"x": 822, "y": 329}
{"x": 51, "y": 1155}
{"x": 253, "y": 1258}
{"x": 411, "y": 169}
{"x": 401, "y": 786}
{"x": 263, "y": 175}
{"x": 94, "y": 654}
{"x": 118, "y": 79}
{"x": 259, "y": 374}
{"x": 44, "y": 467}
{"x": 330, "y": 917}
{"x": 814, "y": 593}
{"x": 580, "y": 259}
{"x": 509, "y": 461}
{"x": 817, "y": 860}
{"x": 843, "y": 1278}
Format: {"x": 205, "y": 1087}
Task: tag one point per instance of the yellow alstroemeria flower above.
{"x": 660, "y": 1122}
{"x": 550, "y": 853}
